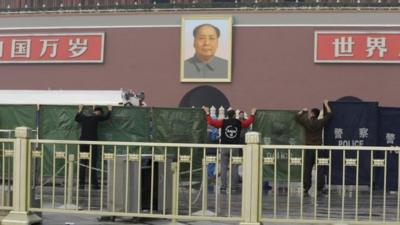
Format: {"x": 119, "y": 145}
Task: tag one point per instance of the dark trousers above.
{"x": 85, "y": 164}
{"x": 309, "y": 161}
{"x": 225, "y": 159}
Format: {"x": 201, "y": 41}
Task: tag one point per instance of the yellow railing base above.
{"x": 173, "y": 223}
{"x": 21, "y": 218}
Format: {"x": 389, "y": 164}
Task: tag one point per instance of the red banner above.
{"x": 52, "y": 48}
{"x": 357, "y": 47}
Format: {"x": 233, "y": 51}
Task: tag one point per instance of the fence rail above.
{"x": 170, "y": 173}
{"x": 6, "y": 164}
{"x": 365, "y": 170}
{"x": 172, "y": 181}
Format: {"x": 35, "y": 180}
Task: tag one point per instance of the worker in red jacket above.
{"x": 230, "y": 134}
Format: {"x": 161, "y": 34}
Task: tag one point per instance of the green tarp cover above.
{"x": 179, "y": 125}
{"x": 279, "y": 127}
{"x": 173, "y": 125}
{"x": 58, "y": 123}
{"x": 126, "y": 124}
{"x": 12, "y": 116}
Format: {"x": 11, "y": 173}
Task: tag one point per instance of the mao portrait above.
{"x": 206, "y": 49}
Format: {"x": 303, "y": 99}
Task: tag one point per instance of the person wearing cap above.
{"x": 313, "y": 127}
{"x": 230, "y": 134}
{"x": 89, "y": 124}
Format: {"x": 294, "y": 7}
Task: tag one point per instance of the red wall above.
{"x": 273, "y": 68}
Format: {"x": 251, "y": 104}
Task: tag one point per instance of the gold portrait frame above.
{"x": 223, "y": 52}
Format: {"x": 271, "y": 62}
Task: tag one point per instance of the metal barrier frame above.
{"x": 252, "y": 198}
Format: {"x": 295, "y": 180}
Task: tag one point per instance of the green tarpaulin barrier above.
{"x": 279, "y": 127}
{"x": 126, "y": 124}
{"x": 172, "y": 125}
{"x": 12, "y": 116}
{"x": 58, "y": 123}
{"x": 179, "y": 125}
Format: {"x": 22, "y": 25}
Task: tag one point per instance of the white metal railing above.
{"x": 6, "y": 164}
{"x": 363, "y": 203}
{"x": 221, "y": 112}
{"x": 170, "y": 181}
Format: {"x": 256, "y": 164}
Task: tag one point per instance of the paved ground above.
{"x": 294, "y": 206}
{"x": 312, "y": 208}
{"x": 57, "y": 219}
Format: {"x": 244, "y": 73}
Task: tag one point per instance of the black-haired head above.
{"x": 231, "y": 113}
{"x": 315, "y": 113}
{"x": 98, "y": 111}
{"x": 196, "y": 29}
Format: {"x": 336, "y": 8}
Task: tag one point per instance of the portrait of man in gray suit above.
{"x": 204, "y": 64}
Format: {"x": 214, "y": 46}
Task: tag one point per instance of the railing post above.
{"x": 20, "y": 213}
{"x": 71, "y": 158}
{"x": 251, "y": 180}
{"x": 175, "y": 189}
{"x": 175, "y": 193}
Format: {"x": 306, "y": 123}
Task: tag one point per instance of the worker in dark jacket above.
{"x": 230, "y": 134}
{"x": 89, "y": 124}
{"x": 313, "y": 127}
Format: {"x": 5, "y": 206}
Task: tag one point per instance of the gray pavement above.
{"x": 64, "y": 219}
{"x": 310, "y": 207}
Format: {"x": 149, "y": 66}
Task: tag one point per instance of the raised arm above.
{"x": 246, "y": 123}
{"x": 328, "y": 114}
{"x": 108, "y": 115}
{"x": 301, "y": 116}
{"x": 210, "y": 120}
{"x": 79, "y": 116}
{"x": 327, "y": 107}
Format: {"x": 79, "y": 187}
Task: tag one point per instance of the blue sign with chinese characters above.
{"x": 389, "y": 135}
{"x": 352, "y": 124}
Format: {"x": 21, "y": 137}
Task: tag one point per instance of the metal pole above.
{"x": 205, "y": 186}
{"x": 71, "y": 159}
{"x": 20, "y": 214}
{"x": 251, "y": 169}
{"x": 174, "y": 192}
